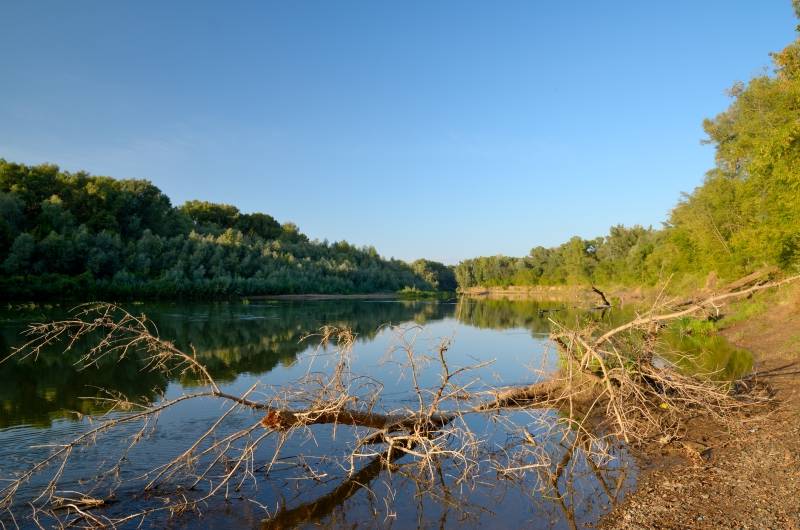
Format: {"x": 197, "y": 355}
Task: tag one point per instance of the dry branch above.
{"x": 694, "y": 307}
{"x": 604, "y": 375}
{"x": 641, "y": 398}
{"x": 282, "y": 420}
{"x": 602, "y": 296}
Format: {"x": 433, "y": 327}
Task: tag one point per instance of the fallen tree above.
{"x": 642, "y": 399}
{"x": 609, "y": 384}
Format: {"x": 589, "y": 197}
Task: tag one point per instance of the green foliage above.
{"x": 439, "y": 276}
{"x": 619, "y": 257}
{"x": 412, "y": 293}
{"x": 693, "y": 326}
{"x": 695, "y": 347}
{"x": 743, "y": 310}
{"x": 65, "y": 234}
{"x": 55, "y": 384}
{"x": 745, "y": 215}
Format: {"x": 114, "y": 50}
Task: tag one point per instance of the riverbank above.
{"x": 716, "y": 478}
{"x": 399, "y": 295}
{"x": 544, "y": 293}
{"x": 572, "y": 294}
{"x": 363, "y": 296}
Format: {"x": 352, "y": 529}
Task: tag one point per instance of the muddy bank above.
{"x": 545, "y": 293}
{"x": 750, "y": 478}
{"x": 573, "y": 294}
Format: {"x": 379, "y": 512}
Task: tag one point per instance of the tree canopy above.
{"x": 745, "y": 215}
{"x": 66, "y": 232}
{"x": 75, "y": 234}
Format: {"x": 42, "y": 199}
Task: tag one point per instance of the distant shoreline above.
{"x": 362, "y": 296}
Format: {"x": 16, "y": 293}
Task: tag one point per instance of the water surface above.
{"x": 48, "y": 400}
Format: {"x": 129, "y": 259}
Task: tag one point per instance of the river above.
{"x": 49, "y": 400}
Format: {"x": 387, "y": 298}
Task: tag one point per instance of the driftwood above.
{"x": 602, "y": 296}
{"x": 286, "y": 419}
{"x": 575, "y": 392}
{"x": 553, "y": 392}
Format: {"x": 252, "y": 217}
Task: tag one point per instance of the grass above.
{"x": 743, "y": 310}
{"x": 697, "y": 348}
{"x": 412, "y": 293}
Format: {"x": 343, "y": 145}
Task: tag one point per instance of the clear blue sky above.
{"x": 428, "y": 129}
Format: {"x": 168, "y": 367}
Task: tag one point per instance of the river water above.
{"x": 49, "y": 400}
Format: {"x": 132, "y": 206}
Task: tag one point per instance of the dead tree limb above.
{"x": 324, "y": 505}
{"x": 282, "y": 420}
{"x": 711, "y": 301}
{"x": 602, "y": 295}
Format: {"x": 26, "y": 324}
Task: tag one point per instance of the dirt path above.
{"x": 747, "y": 480}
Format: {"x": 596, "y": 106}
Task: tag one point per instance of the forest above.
{"x": 73, "y": 234}
{"x": 745, "y": 215}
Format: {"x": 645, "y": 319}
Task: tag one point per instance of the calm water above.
{"x": 48, "y": 400}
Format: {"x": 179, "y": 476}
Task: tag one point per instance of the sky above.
{"x": 444, "y": 130}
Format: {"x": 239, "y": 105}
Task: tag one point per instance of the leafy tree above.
{"x": 258, "y": 225}
{"x": 438, "y": 275}
{"x": 20, "y": 257}
{"x": 11, "y": 219}
{"x": 746, "y": 213}
{"x": 210, "y": 217}
{"x": 82, "y": 235}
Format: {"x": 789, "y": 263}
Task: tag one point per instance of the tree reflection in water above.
{"x": 233, "y": 339}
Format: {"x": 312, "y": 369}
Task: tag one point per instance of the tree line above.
{"x": 744, "y": 216}
{"x": 74, "y": 234}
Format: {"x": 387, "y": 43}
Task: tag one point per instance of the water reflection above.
{"x": 229, "y": 338}
{"x": 696, "y": 348}
{"x": 568, "y": 488}
{"x": 239, "y": 342}
{"x": 534, "y": 315}
{"x": 36, "y": 392}
{"x": 236, "y": 338}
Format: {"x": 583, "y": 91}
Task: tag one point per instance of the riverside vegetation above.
{"x": 745, "y": 215}
{"x": 74, "y": 233}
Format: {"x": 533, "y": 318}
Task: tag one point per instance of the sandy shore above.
{"x": 718, "y": 479}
